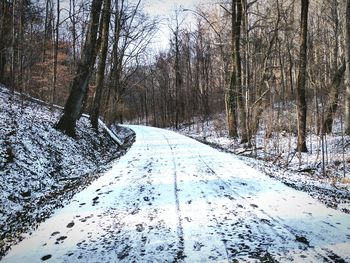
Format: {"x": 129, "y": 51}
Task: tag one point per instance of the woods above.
{"x": 280, "y": 66}
{"x": 249, "y": 154}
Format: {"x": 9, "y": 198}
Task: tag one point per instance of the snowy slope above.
{"x": 173, "y": 199}
{"x": 39, "y": 166}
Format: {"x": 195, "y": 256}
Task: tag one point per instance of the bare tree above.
{"x": 347, "y": 59}
{"x": 55, "y": 51}
{"x": 232, "y": 92}
{"x": 80, "y": 82}
{"x": 133, "y": 31}
{"x": 95, "y": 109}
{"x": 301, "y": 100}
{"x": 332, "y": 104}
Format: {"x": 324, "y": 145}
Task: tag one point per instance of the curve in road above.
{"x": 173, "y": 199}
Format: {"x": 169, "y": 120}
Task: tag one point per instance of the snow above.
{"x": 40, "y": 168}
{"x": 110, "y": 133}
{"x": 276, "y": 157}
{"x": 173, "y": 199}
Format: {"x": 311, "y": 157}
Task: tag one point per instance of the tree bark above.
{"x": 332, "y": 104}
{"x": 239, "y": 88}
{"x": 95, "y": 111}
{"x": 3, "y": 12}
{"x": 177, "y": 76}
{"x": 301, "y": 100}
{"x": 231, "y": 92}
{"x": 81, "y": 79}
{"x": 55, "y": 53}
{"x": 347, "y": 59}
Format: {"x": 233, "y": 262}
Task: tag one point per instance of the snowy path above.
{"x": 172, "y": 199}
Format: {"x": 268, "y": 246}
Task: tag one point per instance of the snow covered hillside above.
{"x": 41, "y": 168}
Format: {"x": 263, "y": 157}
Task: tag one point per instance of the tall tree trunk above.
{"x": 231, "y": 92}
{"x": 347, "y": 59}
{"x": 13, "y": 43}
{"x": 177, "y": 78}
{"x": 81, "y": 79}
{"x": 239, "y": 87}
{"x": 74, "y": 32}
{"x": 55, "y": 53}
{"x": 3, "y": 12}
{"x": 332, "y": 104}
{"x": 301, "y": 101}
{"x": 95, "y": 111}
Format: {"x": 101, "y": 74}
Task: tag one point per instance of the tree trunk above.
{"x": 95, "y": 111}
{"x": 239, "y": 88}
{"x": 13, "y": 43}
{"x": 301, "y": 101}
{"x": 231, "y": 92}
{"x": 3, "y": 11}
{"x": 80, "y": 82}
{"x": 332, "y": 104}
{"x": 347, "y": 59}
{"x": 178, "y": 81}
{"x": 74, "y": 32}
{"x": 55, "y": 53}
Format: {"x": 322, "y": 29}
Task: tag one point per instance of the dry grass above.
{"x": 344, "y": 180}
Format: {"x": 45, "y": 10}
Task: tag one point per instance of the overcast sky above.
{"x": 165, "y": 9}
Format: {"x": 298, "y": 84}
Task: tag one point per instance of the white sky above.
{"x": 165, "y": 9}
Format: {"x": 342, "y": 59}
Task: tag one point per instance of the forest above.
{"x": 96, "y": 97}
{"x": 280, "y": 65}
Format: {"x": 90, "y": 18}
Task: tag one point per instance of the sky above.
{"x": 165, "y": 9}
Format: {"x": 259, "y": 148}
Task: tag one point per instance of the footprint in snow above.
{"x": 70, "y": 224}
{"x": 61, "y": 238}
{"x": 140, "y": 228}
{"x": 188, "y": 219}
{"x": 94, "y": 200}
{"x": 197, "y": 246}
{"x": 55, "y": 233}
{"x": 46, "y": 257}
{"x": 302, "y": 239}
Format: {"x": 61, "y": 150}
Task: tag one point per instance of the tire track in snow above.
{"x": 180, "y": 254}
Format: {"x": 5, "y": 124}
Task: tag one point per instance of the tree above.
{"x": 178, "y": 77}
{"x": 95, "y": 109}
{"x": 133, "y": 31}
{"x": 4, "y": 35}
{"x": 55, "y": 52}
{"x": 231, "y": 92}
{"x": 332, "y": 104}
{"x": 347, "y": 59}
{"x": 238, "y": 67}
{"x": 301, "y": 100}
{"x": 81, "y": 79}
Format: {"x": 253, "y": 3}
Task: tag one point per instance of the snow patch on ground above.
{"x": 40, "y": 167}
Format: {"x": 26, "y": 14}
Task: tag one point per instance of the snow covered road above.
{"x": 173, "y": 199}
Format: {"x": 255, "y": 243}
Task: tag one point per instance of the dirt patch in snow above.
{"x": 41, "y": 168}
